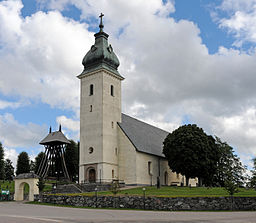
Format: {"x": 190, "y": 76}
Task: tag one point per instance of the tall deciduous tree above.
{"x": 23, "y": 163}
{"x": 191, "y": 152}
{"x": 1, "y": 162}
{"x": 9, "y": 170}
{"x": 72, "y": 159}
{"x": 229, "y": 166}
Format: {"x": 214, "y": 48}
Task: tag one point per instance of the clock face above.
{"x": 93, "y": 48}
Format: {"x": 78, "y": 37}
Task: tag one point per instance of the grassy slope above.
{"x": 177, "y": 192}
{"x": 153, "y": 191}
{"x": 6, "y": 185}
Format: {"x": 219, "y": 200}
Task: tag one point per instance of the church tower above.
{"x": 100, "y": 110}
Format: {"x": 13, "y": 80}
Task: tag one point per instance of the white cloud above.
{"x": 8, "y": 104}
{"x": 169, "y": 72}
{"x": 36, "y": 53}
{"x": 240, "y": 20}
{"x": 68, "y": 123}
{"x": 12, "y": 155}
{"x": 230, "y": 128}
{"x": 70, "y": 127}
{"x": 13, "y": 134}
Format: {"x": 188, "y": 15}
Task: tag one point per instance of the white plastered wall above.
{"x": 19, "y": 188}
{"x": 126, "y": 158}
{"x": 98, "y": 127}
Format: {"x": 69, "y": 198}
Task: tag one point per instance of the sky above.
{"x": 183, "y": 61}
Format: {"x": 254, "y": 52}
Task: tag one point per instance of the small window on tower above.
{"x": 112, "y": 90}
{"x": 116, "y": 151}
{"x": 112, "y": 124}
{"x": 113, "y": 174}
{"x": 90, "y": 150}
{"x": 91, "y": 89}
{"x": 90, "y": 108}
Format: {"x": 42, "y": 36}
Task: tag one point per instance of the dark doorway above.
{"x": 92, "y": 175}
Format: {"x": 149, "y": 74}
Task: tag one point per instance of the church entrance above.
{"x": 92, "y": 175}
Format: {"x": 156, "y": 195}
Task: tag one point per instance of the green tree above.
{"x": 231, "y": 186}
{"x": 41, "y": 184}
{"x": 252, "y": 182}
{"x": 32, "y": 165}
{"x": 9, "y": 170}
{"x": 23, "y": 163}
{"x": 38, "y": 161}
{"x": 72, "y": 159}
{"x": 191, "y": 152}
{"x": 229, "y": 166}
{"x": 1, "y": 162}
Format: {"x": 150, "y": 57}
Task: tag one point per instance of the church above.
{"x": 115, "y": 146}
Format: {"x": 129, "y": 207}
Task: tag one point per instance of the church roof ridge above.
{"x": 138, "y": 120}
{"x": 145, "y": 137}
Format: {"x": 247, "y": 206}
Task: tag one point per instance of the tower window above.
{"x": 113, "y": 174}
{"x": 112, "y": 90}
{"x": 90, "y": 150}
{"x": 112, "y": 124}
{"x": 90, "y": 108}
{"x": 116, "y": 151}
{"x": 91, "y": 89}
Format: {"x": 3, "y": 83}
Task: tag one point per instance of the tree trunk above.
{"x": 200, "y": 181}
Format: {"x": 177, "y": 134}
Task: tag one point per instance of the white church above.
{"x": 115, "y": 146}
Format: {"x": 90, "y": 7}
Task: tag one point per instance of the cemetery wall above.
{"x": 154, "y": 203}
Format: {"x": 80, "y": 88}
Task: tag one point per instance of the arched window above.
{"x": 90, "y": 108}
{"x": 113, "y": 174}
{"x": 91, "y": 90}
{"x": 112, "y": 90}
{"x": 149, "y": 168}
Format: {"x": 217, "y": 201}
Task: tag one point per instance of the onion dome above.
{"x": 101, "y": 54}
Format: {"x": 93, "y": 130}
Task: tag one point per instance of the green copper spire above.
{"x": 101, "y": 54}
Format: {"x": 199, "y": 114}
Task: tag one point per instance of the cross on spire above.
{"x": 101, "y": 24}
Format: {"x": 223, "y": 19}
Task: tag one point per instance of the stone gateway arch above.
{"x": 25, "y": 178}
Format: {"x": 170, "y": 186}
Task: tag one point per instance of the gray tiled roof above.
{"x": 55, "y": 137}
{"x": 26, "y": 176}
{"x": 146, "y": 138}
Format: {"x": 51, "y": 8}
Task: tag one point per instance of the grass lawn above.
{"x": 178, "y": 192}
{"x": 153, "y": 191}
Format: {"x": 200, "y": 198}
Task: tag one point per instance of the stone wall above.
{"x": 154, "y": 203}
